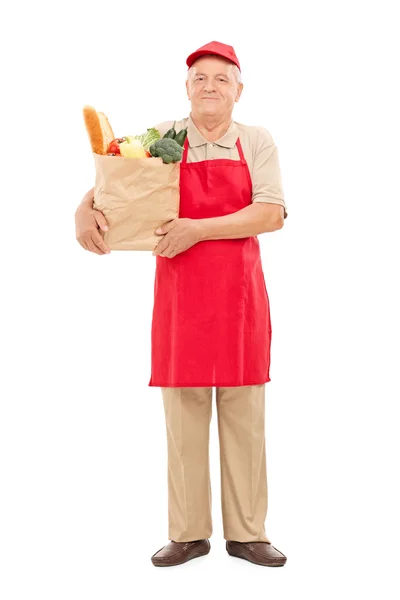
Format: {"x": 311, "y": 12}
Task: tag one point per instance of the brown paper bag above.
{"x": 136, "y": 195}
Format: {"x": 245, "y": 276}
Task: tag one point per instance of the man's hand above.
{"x": 179, "y": 235}
{"x": 87, "y": 224}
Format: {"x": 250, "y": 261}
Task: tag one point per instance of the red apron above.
{"x": 211, "y": 319}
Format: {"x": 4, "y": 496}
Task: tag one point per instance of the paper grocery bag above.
{"x": 136, "y": 195}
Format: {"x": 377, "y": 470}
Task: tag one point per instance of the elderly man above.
{"x": 211, "y": 320}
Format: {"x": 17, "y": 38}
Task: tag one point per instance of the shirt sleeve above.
{"x": 163, "y": 127}
{"x": 266, "y": 173}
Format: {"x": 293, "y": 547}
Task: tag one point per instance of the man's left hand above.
{"x": 179, "y": 235}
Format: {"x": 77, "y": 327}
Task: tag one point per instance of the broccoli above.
{"x": 167, "y": 149}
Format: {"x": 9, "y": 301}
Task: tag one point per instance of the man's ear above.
{"x": 239, "y": 92}
{"x": 187, "y": 89}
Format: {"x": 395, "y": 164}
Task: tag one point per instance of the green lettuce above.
{"x": 148, "y": 138}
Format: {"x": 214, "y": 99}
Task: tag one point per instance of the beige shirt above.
{"x": 259, "y": 150}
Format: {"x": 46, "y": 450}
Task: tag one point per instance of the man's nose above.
{"x": 209, "y": 86}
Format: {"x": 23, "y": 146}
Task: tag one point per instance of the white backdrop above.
{"x": 83, "y": 503}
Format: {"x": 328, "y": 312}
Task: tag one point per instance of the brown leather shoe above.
{"x": 176, "y": 553}
{"x": 260, "y": 553}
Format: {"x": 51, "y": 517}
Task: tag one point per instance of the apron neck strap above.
{"x": 185, "y": 150}
{"x": 239, "y": 147}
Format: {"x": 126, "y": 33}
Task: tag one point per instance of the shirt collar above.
{"x": 228, "y": 140}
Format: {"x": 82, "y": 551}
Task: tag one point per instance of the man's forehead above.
{"x": 212, "y": 65}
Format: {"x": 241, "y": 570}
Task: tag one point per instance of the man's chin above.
{"x": 208, "y": 110}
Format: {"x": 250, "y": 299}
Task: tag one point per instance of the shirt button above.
{"x": 210, "y": 145}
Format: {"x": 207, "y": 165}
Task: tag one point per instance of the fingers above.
{"x": 164, "y": 249}
{"x": 161, "y": 247}
{"x": 97, "y": 239}
{"x": 88, "y": 234}
{"x": 93, "y": 248}
{"x": 163, "y": 229}
{"x": 93, "y": 242}
{"x": 100, "y": 220}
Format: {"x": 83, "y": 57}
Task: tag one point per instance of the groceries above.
{"x": 178, "y": 137}
{"x": 148, "y": 138}
{"x": 114, "y": 147}
{"x": 99, "y": 130}
{"x": 146, "y": 145}
{"x": 132, "y": 149}
{"x": 137, "y": 182}
{"x": 167, "y": 149}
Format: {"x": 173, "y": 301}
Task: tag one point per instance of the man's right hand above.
{"x": 87, "y": 224}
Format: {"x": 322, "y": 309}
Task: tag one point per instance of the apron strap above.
{"x": 239, "y": 147}
{"x": 185, "y": 150}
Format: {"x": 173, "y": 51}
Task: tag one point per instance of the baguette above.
{"x": 98, "y": 128}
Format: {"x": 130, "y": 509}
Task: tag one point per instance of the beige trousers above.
{"x": 241, "y": 430}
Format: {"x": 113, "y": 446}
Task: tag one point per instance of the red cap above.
{"x": 214, "y": 48}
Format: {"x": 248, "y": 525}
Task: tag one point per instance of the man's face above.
{"x": 212, "y": 87}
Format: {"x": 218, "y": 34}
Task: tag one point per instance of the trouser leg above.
{"x": 241, "y": 428}
{"x": 188, "y": 416}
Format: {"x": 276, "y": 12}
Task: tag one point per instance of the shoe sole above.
{"x": 256, "y": 562}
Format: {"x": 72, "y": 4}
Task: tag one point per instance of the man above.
{"x": 211, "y": 321}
